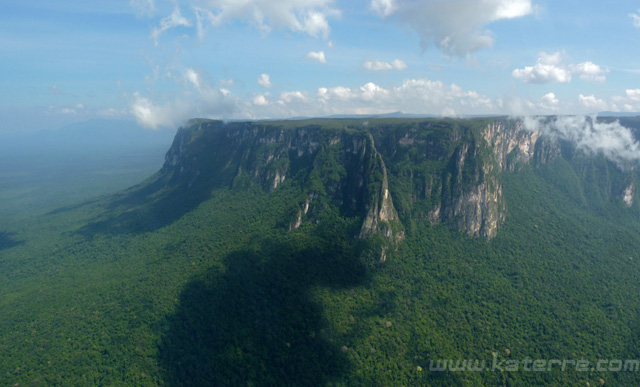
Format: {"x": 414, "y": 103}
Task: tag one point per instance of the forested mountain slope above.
{"x": 335, "y": 252}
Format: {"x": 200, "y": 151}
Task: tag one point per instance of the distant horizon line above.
{"x": 396, "y": 114}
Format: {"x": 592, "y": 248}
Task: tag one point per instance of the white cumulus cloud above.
{"x": 420, "y": 96}
{"x": 306, "y": 16}
{"x": 264, "y": 81}
{"x": 589, "y": 71}
{"x": 260, "y": 100}
{"x": 455, "y": 26}
{"x": 193, "y": 77}
{"x": 630, "y": 102}
{"x": 195, "y": 98}
{"x": 549, "y": 103}
{"x": 412, "y": 96}
{"x": 593, "y": 103}
{"x": 317, "y": 56}
{"x": 290, "y": 96}
{"x": 149, "y": 114}
{"x": 550, "y": 68}
{"x": 633, "y": 94}
{"x": 376, "y": 65}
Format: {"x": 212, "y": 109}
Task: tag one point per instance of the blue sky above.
{"x": 161, "y": 62}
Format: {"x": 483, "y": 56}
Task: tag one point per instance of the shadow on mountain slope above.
{"x": 7, "y": 241}
{"x": 256, "y": 322}
{"x": 146, "y": 208}
{"x": 70, "y": 208}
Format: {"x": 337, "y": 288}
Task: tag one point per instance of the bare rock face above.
{"x": 381, "y": 213}
{"x": 473, "y": 200}
{"x": 296, "y": 223}
{"x": 627, "y": 197}
{"x": 507, "y": 139}
{"x": 480, "y": 211}
{"x": 474, "y": 203}
{"x": 277, "y": 179}
{"x": 304, "y": 209}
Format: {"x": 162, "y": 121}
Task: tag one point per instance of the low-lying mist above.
{"x": 591, "y": 135}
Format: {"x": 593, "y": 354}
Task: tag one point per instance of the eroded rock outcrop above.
{"x": 381, "y": 214}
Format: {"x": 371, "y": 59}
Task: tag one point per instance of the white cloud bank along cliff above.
{"x": 611, "y": 139}
{"x": 196, "y": 98}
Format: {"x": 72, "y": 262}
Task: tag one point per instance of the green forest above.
{"x": 198, "y": 279}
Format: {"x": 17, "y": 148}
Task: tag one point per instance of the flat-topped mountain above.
{"x": 344, "y": 252}
{"x": 388, "y": 172}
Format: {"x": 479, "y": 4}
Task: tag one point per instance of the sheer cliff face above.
{"x": 387, "y": 172}
{"x": 341, "y": 167}
{"x": 478, "y": 209}
{"x": 472, "y": 201}
{"x": 509, "y": 138}
{"x": 470, "y": 190}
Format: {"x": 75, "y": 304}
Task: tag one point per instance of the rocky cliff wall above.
{"x": 386, "y": 172}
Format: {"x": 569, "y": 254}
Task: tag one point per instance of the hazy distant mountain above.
{"x": 618, "y": 114}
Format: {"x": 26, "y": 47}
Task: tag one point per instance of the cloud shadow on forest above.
{"x": 256, "y": 322}
{"x": 8, "y": 241}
